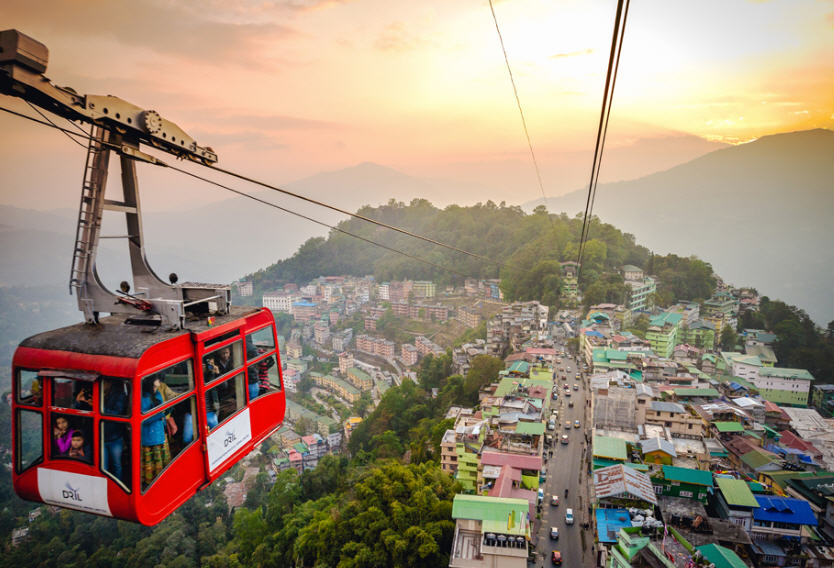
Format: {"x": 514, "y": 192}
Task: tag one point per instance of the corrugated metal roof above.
{"x": 501, "y": 514}
{"x": 736, "y": 492}
{"x": 720, "y": 556}
{"x": 784, "y": 510}
{"x": 724, "y": 427}
{"x": 609, "y": 448}
{"x": 619, "y": 480}
{"x": 658, "y": 444}
{"x": 659, "y": 406}
{"x": 687, "y": 475}
{"x": 530, "y": 428}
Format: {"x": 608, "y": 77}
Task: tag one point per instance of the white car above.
{"x": 568, "y": 516}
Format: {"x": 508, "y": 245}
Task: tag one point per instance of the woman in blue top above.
{"x": 155, "y": 451}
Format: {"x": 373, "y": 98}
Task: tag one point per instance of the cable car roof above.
{"x": 116, "y": 338}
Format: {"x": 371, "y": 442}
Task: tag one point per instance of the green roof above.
{"x": 686, "y": 475}
{"x": 736, "y": 492}
{"x": 784, "y": 373}
{"x": 505, "y": 386}
{"x": 724, "y": 427}
{"x": 300, "y": 447}
{"x": 686, "y": 392}
{"x": 531, "y": 428}
{"x": 359, "y": 374}
{"x": 756, "y": 487}
{"x": 756, "y": 459}
{"x": 609, "y": 448}
{"x": 671, "y": 318}
{"x": 497, "y": 514}
{"x": 522, "y": 367}
{"x": 720, "y": 556}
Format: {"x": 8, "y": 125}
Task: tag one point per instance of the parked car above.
{"x": 551, "y": 425}
{"x": 554, "y": 533}
{"x": 568, "y": 516}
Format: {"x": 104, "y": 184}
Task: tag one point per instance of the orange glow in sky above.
{"x": 286, "y": 89}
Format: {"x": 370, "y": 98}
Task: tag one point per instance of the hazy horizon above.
{"x": 286, "y": 90}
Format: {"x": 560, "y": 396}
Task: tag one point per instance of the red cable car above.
{"x": 120, "y": 421}
{"x": 129, "y": 415}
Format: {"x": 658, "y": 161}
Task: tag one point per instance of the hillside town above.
{"x": 618, "y": 435}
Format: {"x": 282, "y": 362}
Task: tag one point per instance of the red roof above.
{"x": 517, "y": 461}
{"x": 791, "y": 440}
{"x": 541, "y": 351}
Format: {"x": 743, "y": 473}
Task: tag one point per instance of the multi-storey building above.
{"x": 359, "y": 378}
{"x": 304, "y": 310}
{"x": 782, "y": 386}
{"x": 675, "y": 418}
{"x": 469, "y": 317}
{"x": 337, "y": 386}
{"x": 345, "y": 362}
{"x": 663, "y": 332}
{"x": 424, "y": 289}
{"x": 640, "y": 293}
{"x": 279, "y": 301}
{"x": 409, "y": 354}
{"x": 321, "y": 333}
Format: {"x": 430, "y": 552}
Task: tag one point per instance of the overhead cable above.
{"x": 518, "y": 103}
{"x": 160, "y": 163}
{"x": 602, "y": 129}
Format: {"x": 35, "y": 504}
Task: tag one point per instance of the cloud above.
{"x": 395, "y": 37}
{"x": 169, "y": 28}
{"x": 275, "y": 122}
{"x": 587, "y": 51}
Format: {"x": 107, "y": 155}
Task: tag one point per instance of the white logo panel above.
{"x": 228, "y": 438}
{"x": 74, "y": 490}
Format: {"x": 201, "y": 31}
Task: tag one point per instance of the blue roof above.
{"x": 304, "y": 304}
{"x": 784, "y": 510}
{"x": 609, "y": 523}
{"x": 594, "y": 333}
{"x": 735, "y": 386}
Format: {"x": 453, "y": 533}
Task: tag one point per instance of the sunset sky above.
{"x": 286, "y": 89}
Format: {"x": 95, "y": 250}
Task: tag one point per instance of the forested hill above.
{"x": 525, "y": 248}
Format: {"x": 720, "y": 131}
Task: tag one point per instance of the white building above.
{"x": 279, "y": 301}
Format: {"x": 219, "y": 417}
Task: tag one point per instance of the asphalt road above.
{"x": 564, "y": 470}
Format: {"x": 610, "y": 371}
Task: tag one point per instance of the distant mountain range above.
{"x": 758, "y": 212}
{"x": 761, "y": 213}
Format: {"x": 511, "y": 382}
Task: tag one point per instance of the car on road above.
{"x": 548, "y": 440}
{"x": 567, "y": 393}
{"x": 555, "y": 395}
{"x": 556, "y": 558}
{"x": 567, "y": 424}
{"x": 575, "y": 387}
{"x": 576, "y": 424}
{"x": 554, "y": 500}
{"x": 570, "y": 404}
{"x": 551, "y": 425}
{"x": 554, "y": 533}
{"x": 565, "y": 438}
{"x": 568, "y": 516}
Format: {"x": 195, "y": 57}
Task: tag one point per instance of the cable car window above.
{"x": 174, "y": 380}
{"x": 115, "y": 451}
{"x": 263, "y": 377}
{"x": 263, "y": 339}
{"x": 115, "y": 397}
{"x": 72, "y": 393}
{"x": 72, "y": 437}
{"x": 163, "y": 438}
{"x": 222, "y": 361}
{"x": 29, "y": 389}
{"x": 221, "y": 338}
{"x": 224, "y": 400}
{"x": 29, "y": 437}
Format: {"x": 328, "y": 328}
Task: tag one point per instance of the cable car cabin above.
{"x": 129, "y": 422}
